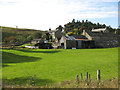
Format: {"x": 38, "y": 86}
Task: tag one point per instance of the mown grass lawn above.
{"x": 49, "y": 66}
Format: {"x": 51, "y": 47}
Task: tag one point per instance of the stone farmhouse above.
{"x": 56, "y": 34}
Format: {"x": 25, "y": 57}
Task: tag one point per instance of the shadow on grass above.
{"x": 13, "y": 58}
{"x": 27, "y": 81}
{"x": 33, "y": 50}
{"x": 30, "y": 51}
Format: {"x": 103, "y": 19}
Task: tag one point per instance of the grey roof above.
{"x": 79, "y": 36}
{"x": 74, "y": 37}
{"x": 69, "y": 38}
{"x": 100, "y": 34}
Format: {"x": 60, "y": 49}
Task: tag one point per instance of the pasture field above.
{"x": 51, "y": 66}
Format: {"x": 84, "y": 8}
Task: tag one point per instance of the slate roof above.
{"x": 69, "y": 38}
{"x": 76, "y": 37}
{"x": 79, "y": 36}
{"x": 101, "y": 34}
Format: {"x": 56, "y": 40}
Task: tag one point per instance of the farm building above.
{"x": 44, "y": 45}
{"x": 102, "y": 38}
{"x": 56, "y": 33}
{"x": 104, "y": 30}
{"x": 41, "y": 44}
{"x": 74, "y": 42}
{"x": 95, "y": 38}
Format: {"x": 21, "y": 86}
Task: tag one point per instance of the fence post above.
{"x": 77, "y": 79}
{"x": 81, "y": 77}
{"x": 15, "y": 84}
{"x": 87, "y": 76}
{"x": 98, "y": 75}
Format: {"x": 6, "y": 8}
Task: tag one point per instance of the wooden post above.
{"x": 77, "y": 79}
{"x": 87, "y": 75}
{"x": 98, "y": 75}
{"x": 81, "y": 77}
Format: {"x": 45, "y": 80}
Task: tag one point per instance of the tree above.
{"x": 50, "y": 37}
{"x": 37, "y": 35}
{"x": 20, "y": 39}
{"x": 44, "y": 36}
{"x": 11, "y": 39}
{"x": 6, "y": 40}
{"x": 104, "y": 25}
{"x": 29, "y": 38}
{"x": 73, "y": 21}
{"x": 82, "y": 21}
{"x": 59, "y": 28}
{"x": 86, "y": 21}
{"x": 49, "y": 29}
{"x": 71, "y": 27}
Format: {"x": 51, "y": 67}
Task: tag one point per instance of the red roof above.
{"x": 83, "y": 39}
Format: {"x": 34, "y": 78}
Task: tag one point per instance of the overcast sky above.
{"x": 45, "y": 14}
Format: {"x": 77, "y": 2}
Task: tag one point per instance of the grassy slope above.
{"x": 52, "y": 66}
{"x": 9, "y": 31}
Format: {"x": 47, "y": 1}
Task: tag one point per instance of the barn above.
{"x": 75, "y": 42}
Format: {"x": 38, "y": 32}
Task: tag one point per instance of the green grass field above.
{"x": 53, "y": 66}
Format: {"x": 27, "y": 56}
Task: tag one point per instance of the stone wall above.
{"x": 106, "y": 42}
{"x": 102, "y": 40}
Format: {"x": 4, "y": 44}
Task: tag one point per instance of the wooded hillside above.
{"x": 76, "y": 27}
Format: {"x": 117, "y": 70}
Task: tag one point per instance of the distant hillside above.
{"x": 16, "y": 36}
{"x": 76, "y": 27}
